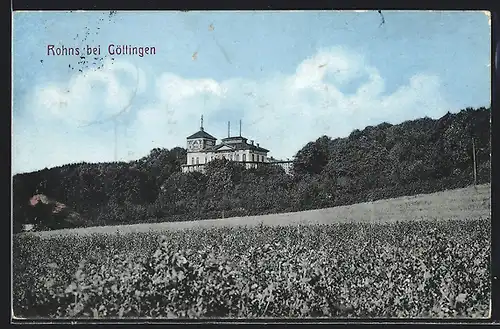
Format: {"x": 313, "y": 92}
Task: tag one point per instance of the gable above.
{"x": 225, "y": 148}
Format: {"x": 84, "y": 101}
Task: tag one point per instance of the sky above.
{"x": 289, "y": 76}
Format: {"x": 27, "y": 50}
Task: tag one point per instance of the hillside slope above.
{"x": 379, "y": 162}
{"x": 466, "y": 203}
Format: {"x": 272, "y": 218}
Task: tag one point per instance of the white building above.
{"x": 202, "y": 148}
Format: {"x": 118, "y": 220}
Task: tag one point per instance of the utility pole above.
{"x": 115, "y": 124}
{"x": 474, "y": 161}
{"x": 114, "y": 118}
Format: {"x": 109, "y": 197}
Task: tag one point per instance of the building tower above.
{"x": 197, "y": 144}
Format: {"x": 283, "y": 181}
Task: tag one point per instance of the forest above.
{"x": 384, "y": 161}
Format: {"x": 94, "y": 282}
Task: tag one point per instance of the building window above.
{"x": 244, "y": 157}
{"x": 192, "y": 161}
{"x": 253, "y": 158}
{"x": 237, "y": 157}
{"x": 197, "y": 160}
{"x": 205, "y": 159}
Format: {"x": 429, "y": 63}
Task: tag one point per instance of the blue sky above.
{"x": 289, "y": 76}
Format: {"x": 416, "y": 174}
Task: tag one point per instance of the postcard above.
{"x": 251, "y": 165}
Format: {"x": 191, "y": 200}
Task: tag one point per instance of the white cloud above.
{"x": 285, "y": 112}
{"x": 340, "y": 65}
{"x": 174, "y": 89}
{"x": 281, "y": 112}
{"x": 94, "y": 94}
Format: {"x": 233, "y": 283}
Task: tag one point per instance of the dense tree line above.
{"x": 419, "y": 156}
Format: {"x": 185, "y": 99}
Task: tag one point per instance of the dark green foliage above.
{"x": 404, "y": 269}
{"x": 382, "y": 161}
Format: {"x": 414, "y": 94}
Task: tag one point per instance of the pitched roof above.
{"x": 201, "y": 134}
{"x": 258, "y": 148}
{"x": 240, "y": 146}
{"x": 234, "y": 138}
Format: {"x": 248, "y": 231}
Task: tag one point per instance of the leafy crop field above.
{"x": 398, "y": 268}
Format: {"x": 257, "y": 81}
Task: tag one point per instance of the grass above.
{"x": 423, "y": 256}
{"x": 462, "y": 203}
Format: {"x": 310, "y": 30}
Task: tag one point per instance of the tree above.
{"x": 310, "y": 159}
{"x": 182, "y": 193}
{"x": 382, "y": 161}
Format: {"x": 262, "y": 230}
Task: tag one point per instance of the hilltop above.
{"x": 378, "y": 162}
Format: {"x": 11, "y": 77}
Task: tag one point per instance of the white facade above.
{"x": 202, "y": 148}
{"x": 194, "y": 158}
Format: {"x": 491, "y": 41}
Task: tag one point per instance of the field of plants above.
{"x": 437, "y": 268}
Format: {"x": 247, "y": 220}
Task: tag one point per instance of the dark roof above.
{"x": 202, "y": 134}
{"x": 234, "y": 138}
{"x": 240, "y": 146}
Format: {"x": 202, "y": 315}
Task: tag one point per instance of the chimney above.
{"x": 257, "y": 144}
{"x": 251, "y": 142}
